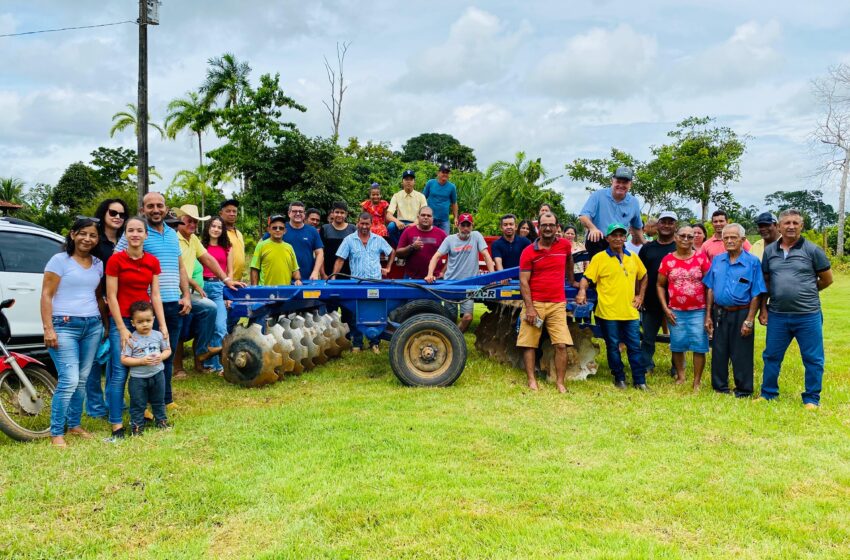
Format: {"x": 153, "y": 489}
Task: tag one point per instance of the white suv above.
{"x": 25, "y": 249}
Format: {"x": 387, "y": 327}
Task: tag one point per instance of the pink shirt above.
{"x": 684, "y": 281}
{"x": 713, "y": 247}
{"x": 220, "y": 256}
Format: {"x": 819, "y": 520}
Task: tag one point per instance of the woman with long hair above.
{"x": 217, "y": 244}
{"x": 526, "y": 229}
{"x": 700, "y": 235}
{"x": 72, "y": 313}
{"x": 111, "y": 213}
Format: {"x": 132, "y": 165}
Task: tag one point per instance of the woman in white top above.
{"x": 72, "y": 312}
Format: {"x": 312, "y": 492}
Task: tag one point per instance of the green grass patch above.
{"x": 343, "y": 462}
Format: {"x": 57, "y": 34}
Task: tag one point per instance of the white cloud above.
{"x": 479, "y": 49}
{"x": 609, "y": 63}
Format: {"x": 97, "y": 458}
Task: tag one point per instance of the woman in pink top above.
{"x": 217, "y": 244}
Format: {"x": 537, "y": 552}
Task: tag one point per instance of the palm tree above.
{"x": 190, "y": 112}
{"x": 12, "y": 190}
{"x": 228, "y": 77}
{"x": 196, "y": 185}
{"x": 520, "y": 187}
{"x": 130, "y": 118}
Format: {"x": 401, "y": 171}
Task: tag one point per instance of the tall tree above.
{"x": 833, "y": 132}
{"x": 810, "y": 203}
{"x": 227, "y": 78}
{"x": 440, "y": 149}
{"x": 75, "y": 188}
{"x": 109, "y": 163}
{"x": 336, "y": 79}
{"x": 190, "y": 113}
{"x": 519, "y": 187}
{"x": 197, "y": 187}
{"x": 130, "y": 118}
{"x": 12, "y": 190}
{"x": 701, "y": 159}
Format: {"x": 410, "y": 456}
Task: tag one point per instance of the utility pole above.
{"x": 148, "y": 15}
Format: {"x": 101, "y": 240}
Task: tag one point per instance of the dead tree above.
{"x": 338, "y": 87}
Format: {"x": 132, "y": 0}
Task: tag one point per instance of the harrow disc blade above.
{"x": 249, "y": 357}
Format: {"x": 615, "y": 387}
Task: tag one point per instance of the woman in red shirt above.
{"x": 217, "y": 244}
{"x": 377, "y": 207}
{"x": 131, "y": 275}
{"x": 680, "y": 277}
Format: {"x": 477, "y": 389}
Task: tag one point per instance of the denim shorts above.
{"x": 688, "y": 334}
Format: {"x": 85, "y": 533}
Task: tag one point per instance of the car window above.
{"x": 26, "y": 252}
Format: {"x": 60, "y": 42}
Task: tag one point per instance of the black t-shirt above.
{"x": 651, "y": 256}
{"x": 332, "y": 239}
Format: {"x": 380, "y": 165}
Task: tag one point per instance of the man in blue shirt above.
{"x": 363, "y": 251}
{"x": 734, "y": 287}
{"x": 305, "y": 241}
{"x": 507, "y": 249}
{"x": 611, "y": 206}
{"x": 442, "y": 198}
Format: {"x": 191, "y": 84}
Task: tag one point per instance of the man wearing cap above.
{"x": 769, "y": 231}
{"x": 543, "y": 269}
{"x": 795, "y": 271}
{"x": 419, "y": 243}
{"x": 462, "y": 250}
{"x": 508, "y": 248}
{"x": 274, "y": 262}
{"x": 404, "y": 206}
{"x": 651, "y": 255}
{"x": 620, "y": 279}
{"x": 442, "y": 198}
{"x": 715, "y": 246}
{"x": 734, "y": 285}
{"x": 613, "y": 205}
{"x": 306, "y": 243}
{"x": 229, "y": 212}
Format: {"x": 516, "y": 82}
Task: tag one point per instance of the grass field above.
{"x": 343, "y": 462}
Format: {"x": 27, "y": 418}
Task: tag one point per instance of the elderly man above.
{"x": 418, "y": 244}
{"x": 714, "y": 245}
{"x": 543, "y": 270}
{"x": 652, "y": 315}
{"x": 769, "y": 232}
{"x": 508, "y": 248}
{"x": 620, "y": 279}
{"x": 363, "y": 251}
{"x": 442, "y": 198}
{"x": 734, "y": 285}
{"x": 404, "y": 207}
{"x": 611, "y": 206}
{"x": 306, "y": 243}
{"x": 461, "y": 250}
{"x": 795, "y": 271}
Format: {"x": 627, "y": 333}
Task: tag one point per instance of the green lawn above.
{"x": 343, "y": 462}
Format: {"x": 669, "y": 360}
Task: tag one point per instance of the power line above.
{"x": 66, "y": 28}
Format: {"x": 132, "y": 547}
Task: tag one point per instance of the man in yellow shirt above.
{"x": 620, "y": 279}
{"x": 404, "y": 207}
{"x": 274, "y": 262}
{"x": 229, "y": 211}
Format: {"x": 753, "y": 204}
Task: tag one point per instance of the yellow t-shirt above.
{"x": 406, "y": 206}
{"x": 757, "y": 250}
{"x": 615, "y": 284}
{"x": 190, "y": 250}
{"x": 276, "y": 263}
{"x": 237, "y": 249}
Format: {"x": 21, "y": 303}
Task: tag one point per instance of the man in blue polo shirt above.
{"x": 795, "y": 271}
{"x": 611, "y": 206}
{"x": 306, "y": 242}
{"x": 734, "y": 287}
{"x": 442, "y": 198}
{"x": 508, "y": 248}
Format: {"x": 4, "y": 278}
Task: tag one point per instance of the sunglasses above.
{"x": 277, "y": 228}
{"x": 686, "y": 237}
{"x": 117, "y": 214}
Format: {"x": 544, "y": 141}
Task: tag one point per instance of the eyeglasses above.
{"x": 296, "y": 211}
{"x": 686, "y": 237}
{"x": 277, "y": 228}
{"x": 117, "y": 214}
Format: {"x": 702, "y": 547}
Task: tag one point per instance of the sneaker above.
{"x": 620, "y": 384}
{"x": 117, "y": 435}
{"x": 163, "y": 425}
{"x": 137, "y": 430}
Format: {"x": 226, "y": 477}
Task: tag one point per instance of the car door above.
{"x": 23, "y": 256}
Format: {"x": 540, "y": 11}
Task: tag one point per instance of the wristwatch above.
{"x": 749, "y": 324}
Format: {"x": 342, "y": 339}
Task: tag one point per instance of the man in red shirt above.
{"x": 714, "y": 245}
{"x": 418, "y": 244}
{"x": 544, "y": 267}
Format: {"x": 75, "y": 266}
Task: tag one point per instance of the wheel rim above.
{"x": 428, "y": 353}
{"x": 15, "y": 402}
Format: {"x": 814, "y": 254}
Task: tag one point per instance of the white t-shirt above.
{"x": 75, "y": 296}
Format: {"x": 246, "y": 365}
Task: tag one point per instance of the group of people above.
{"x": 129, "y": 291}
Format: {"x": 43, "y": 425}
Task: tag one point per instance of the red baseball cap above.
{"x": 465, "y": 217}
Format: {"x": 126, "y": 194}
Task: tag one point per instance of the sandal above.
{"x": 180, "y": 374}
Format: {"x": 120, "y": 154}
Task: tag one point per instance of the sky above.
{"x": 557, "y": 80}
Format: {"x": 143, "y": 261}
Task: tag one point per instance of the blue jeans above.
{"x": 807, "y": 328}
{"x": 78, "y": 339}
{"x": 394, "y": 232}
{"x": 144, "y": 390}
{"x": 214, "y": 292}
{"x": 174, "y": 321}
{"x": 95, "y": 403}
{"x": 116, "y": 378}
{"x": 627, "y": 332}
{"x": 202, "y": 324}
{"x": 443, "y": 225}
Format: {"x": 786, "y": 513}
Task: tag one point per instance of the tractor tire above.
{"x": 418, "y": 307}
{"x": 428, "y": 350}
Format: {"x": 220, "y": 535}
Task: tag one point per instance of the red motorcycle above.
{"x": 26, "y": 390}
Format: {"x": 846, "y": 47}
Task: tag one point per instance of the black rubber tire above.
{"x": 433, "y": 333}
{"x": 46, "y": 385}
{"x": 418, "y": 307}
